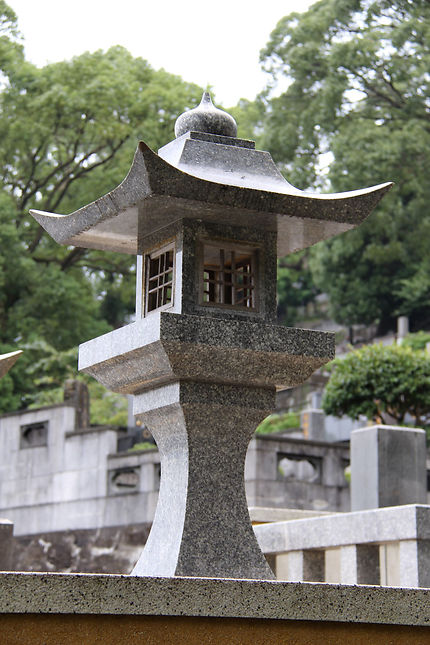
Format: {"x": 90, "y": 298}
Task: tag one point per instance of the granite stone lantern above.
{"x": 207, "y": 217}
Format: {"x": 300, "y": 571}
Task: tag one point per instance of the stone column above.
{"x": 6, "y": 545}
{"x": 341, "y": 565}
{"x": 289, "y": 566}
{"x": 414, "y": 563}
{"x": 388, "y": 467}
{"x": 353, "y": 564}
{"x": 201, "y": 525}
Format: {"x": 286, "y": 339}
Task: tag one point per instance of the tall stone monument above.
{"x": 388, "y": 467}
{"x": 207, "y": 218}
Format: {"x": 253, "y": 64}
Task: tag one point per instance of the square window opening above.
{"x": 34, "y": 435}
{"x": 159, "y": 271}
{"x": 229, "y": 276}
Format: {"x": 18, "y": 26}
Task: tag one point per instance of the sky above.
{"x": 209, "y": 43}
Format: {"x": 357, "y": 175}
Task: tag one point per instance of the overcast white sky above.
{"x": 209, "y": 43}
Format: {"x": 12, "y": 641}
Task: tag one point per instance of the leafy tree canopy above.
{"x": 382, "y": 383}
{"x": 68, "y": 132}
{"x": 296, "y": 287}
{"x": 357, "y": 93}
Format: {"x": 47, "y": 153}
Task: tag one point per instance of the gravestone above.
{"x": 207, "y": 217}
{"x": 388, "y": 467}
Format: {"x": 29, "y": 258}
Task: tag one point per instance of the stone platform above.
{"x": 58, "y": 608}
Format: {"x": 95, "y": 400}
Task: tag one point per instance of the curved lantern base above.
{"x": 202, "y": 386}
{"x": 202, "y": 526}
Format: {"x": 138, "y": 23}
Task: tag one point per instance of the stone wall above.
{"x": 54, "y": 477}
{"x": 283, "y": 472}
{"x": 105, "y": 550}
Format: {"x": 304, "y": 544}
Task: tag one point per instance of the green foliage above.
{"x": 296, "y": 287}
{"x": 249, "y": 117}
{"x": 417, "y": 341}
{"x": 50, "y": 368}
{"x": 144, "y": 445}
{"x": 106, "y": 408}
{"x": 380, "y": 382}
{"x": 357, "y": 88}
{"x": 278, "y": 423}
{"x": 11, "y": 49}
{"x": 68, "y": 132}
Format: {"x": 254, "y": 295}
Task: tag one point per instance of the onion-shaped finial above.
{"x": 206, "y": 118}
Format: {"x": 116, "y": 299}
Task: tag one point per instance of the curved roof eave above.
{"x": 155, "y": 193}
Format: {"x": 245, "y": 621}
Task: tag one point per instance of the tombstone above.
{"x": 402, "y": 328}
{"x": 388, "y": 467}
{"x": 207, "y": 217}
{"x": 77, "y": 393}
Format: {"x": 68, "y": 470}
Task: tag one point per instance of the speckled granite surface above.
{"x": 155, "y": 194}
{"x": 23, "y": 593}
{"x": 168, "y": 347}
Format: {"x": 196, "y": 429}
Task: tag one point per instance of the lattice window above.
{"x": 229, "y": 276}
{"x": 159, "y": 278}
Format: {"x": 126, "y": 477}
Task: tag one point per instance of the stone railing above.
{"x": 6, "y": 544}
{"x": 384, "y": 546}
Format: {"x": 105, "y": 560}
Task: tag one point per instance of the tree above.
{"x": 381, "y": 383}
{"x": 10, "y": 39}
{"x": 357, "y": 94}
{"x": 68, "y": 132}
{"x": 296, "y": 287}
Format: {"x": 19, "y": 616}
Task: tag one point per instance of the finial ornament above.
{"x": 206, "y": 118}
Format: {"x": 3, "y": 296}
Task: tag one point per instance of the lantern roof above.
{"x": 214, "y": 177}
{"x": 7, "y": 361}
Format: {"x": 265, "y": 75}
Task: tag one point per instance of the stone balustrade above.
{"x": 6, "y": 544}
{"x": 384, "y": 546}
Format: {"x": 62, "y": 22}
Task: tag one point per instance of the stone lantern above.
{"x": 207, "y": 217}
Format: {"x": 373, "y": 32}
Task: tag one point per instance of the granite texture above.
{"x": 204, "y": 376}
{"x": 194, "y": 235}
{"x": 155, "y": 194}
{"x": 188, "y": 237}
{"x": 206, "y": 118}
{"x": 30, "y": 593}
{"x": 265, "y": 514}
{"x": 167, "y": 347}
{"x": 7, "y": 361}
{"x": 411, "y": 522}
{"x": 201, "y": 525}
{"x": 387, "y": 546}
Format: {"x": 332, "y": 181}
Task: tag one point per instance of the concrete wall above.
{"x": 76, "y": 481}
{"x": 79, "y": 505}
{"x": 104, "y": 550}
{"x": 59, "y": 485}
{"x": 293, "y": 473}
{"x": 62, "y": 479}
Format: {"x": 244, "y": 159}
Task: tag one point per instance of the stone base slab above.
{"x": 90, "y": 594}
